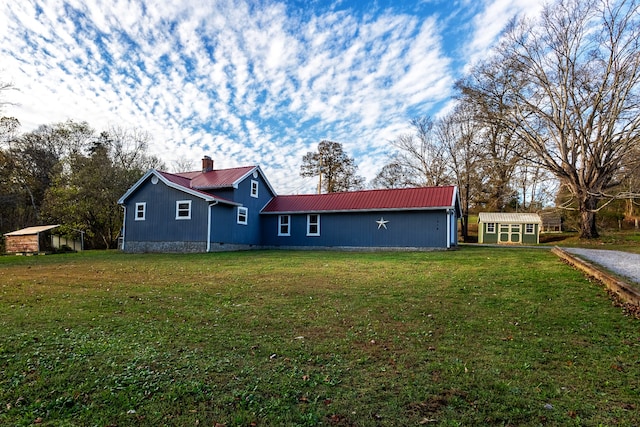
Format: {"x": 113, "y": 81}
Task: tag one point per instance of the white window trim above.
{"x": 254, "y": 188}
{"x": 491, "y": 225}
{"x": 144, "y": 211}
{"x": 178, "y": 203}
{"x": 316, "y": 223}
{"x": 242, "y": 211}
{"x": 533, "y": 229}
{"x": 280, "y": 224}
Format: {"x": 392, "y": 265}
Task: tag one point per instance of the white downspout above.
{"x": 215, "y": 202}
{"x": 448, "y": 229}
{"x": 124, "y": 222}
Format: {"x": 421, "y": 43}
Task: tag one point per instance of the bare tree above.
{"x": 421, "y": 154}
{"x": 182, "y": 164}
{"x": 5, "y": 86}
{"x": 129, "y": 148}
{"x": 393, "y": 175}
{"x": 9, "y": 127}
{"x": 573, "y": 94}
{"x": 486, "y": 94}
{"x": 535, "y": 186}
{"x": 459, "y": 132}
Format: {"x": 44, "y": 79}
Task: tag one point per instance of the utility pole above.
{"x": 320, "y": 176}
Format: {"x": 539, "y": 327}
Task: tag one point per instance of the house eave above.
{"x": 264, "y": 178}
{"x": 430, "y": 208}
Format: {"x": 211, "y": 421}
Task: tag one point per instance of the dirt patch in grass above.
{"x": 428, "y": 410}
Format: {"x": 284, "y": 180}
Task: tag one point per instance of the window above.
{"x": 528, "y": 228}
{"x": 183, "y": 209}
{"x": 313, "y": 225}
{"x": 243, "y": 213}
{"x": 141, "y": 211}
{"x": 491, "y": 227}
{"x": 254, "y": 188}
{"x": 283, "y": 225}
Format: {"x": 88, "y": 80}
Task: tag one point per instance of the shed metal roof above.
{"x": 513, "y": 218}
{"x": 32, "y": 230}
{"x": 422, "y": 198}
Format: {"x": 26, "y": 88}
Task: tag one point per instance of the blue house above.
{"x": 199, "y": 211}
{"x": 233, "y": 209}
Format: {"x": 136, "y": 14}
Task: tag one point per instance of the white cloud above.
{"x": 253, "y": 82}
{"x": 488, "y": 25}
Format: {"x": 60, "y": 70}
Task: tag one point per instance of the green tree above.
{"x": 84, "y": 197}
{"x": 336, "y": 171}
{"x": 37, "y": 158}
{"x": 84, "y": 194}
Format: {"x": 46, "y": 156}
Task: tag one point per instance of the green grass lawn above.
{"x": 470, "y": 337}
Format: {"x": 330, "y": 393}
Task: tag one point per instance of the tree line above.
{"x": 69, "y": 174}
{"x": 552, "y": 114}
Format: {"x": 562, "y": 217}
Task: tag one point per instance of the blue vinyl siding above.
{"x": 214, "y": 225}
{"x": 224, "y": 225}
{"x": 404, "y": 229}
{"x": 160, "y": 224}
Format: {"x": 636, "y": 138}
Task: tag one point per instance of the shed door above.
{"x": 510, "y": 233}
{"x": 516, "y": 233}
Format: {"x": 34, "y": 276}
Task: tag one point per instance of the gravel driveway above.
{"x": 622, "y": 263}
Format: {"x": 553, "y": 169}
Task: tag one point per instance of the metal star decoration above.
{"x": 382, "y": 223}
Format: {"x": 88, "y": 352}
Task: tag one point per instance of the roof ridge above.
{"x": 213, "y": 170}
{"x": 370, "y": 190}
{"x": 173, "y": 173}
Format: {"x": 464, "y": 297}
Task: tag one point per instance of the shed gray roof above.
{"x": 32, "y": 230}
{"x": 512, "y": 218}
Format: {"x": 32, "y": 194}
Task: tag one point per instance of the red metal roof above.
{"x": 185, "y": 182}
{"x": 176, "y": 179}
{"x": 390, "y": 199}
{"x": 218, "y": 178}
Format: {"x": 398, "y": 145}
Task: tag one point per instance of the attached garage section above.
{"x": 509, "y": 228}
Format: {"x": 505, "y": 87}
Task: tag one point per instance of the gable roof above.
{"x": 422, "y": 198}
{"x": 513, "y": 218}
{"x": 177, "y": 182}
{"x": 217, "y": 178}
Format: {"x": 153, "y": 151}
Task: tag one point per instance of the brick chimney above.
{"x": 207, "y": 164}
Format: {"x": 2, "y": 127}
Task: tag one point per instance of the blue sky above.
{"x": 246, "y": 82}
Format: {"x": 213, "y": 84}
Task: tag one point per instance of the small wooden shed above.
{"x": 509, "y": 228}
{"x": 36, "y": 240}
{"x": 551, "y": 222}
